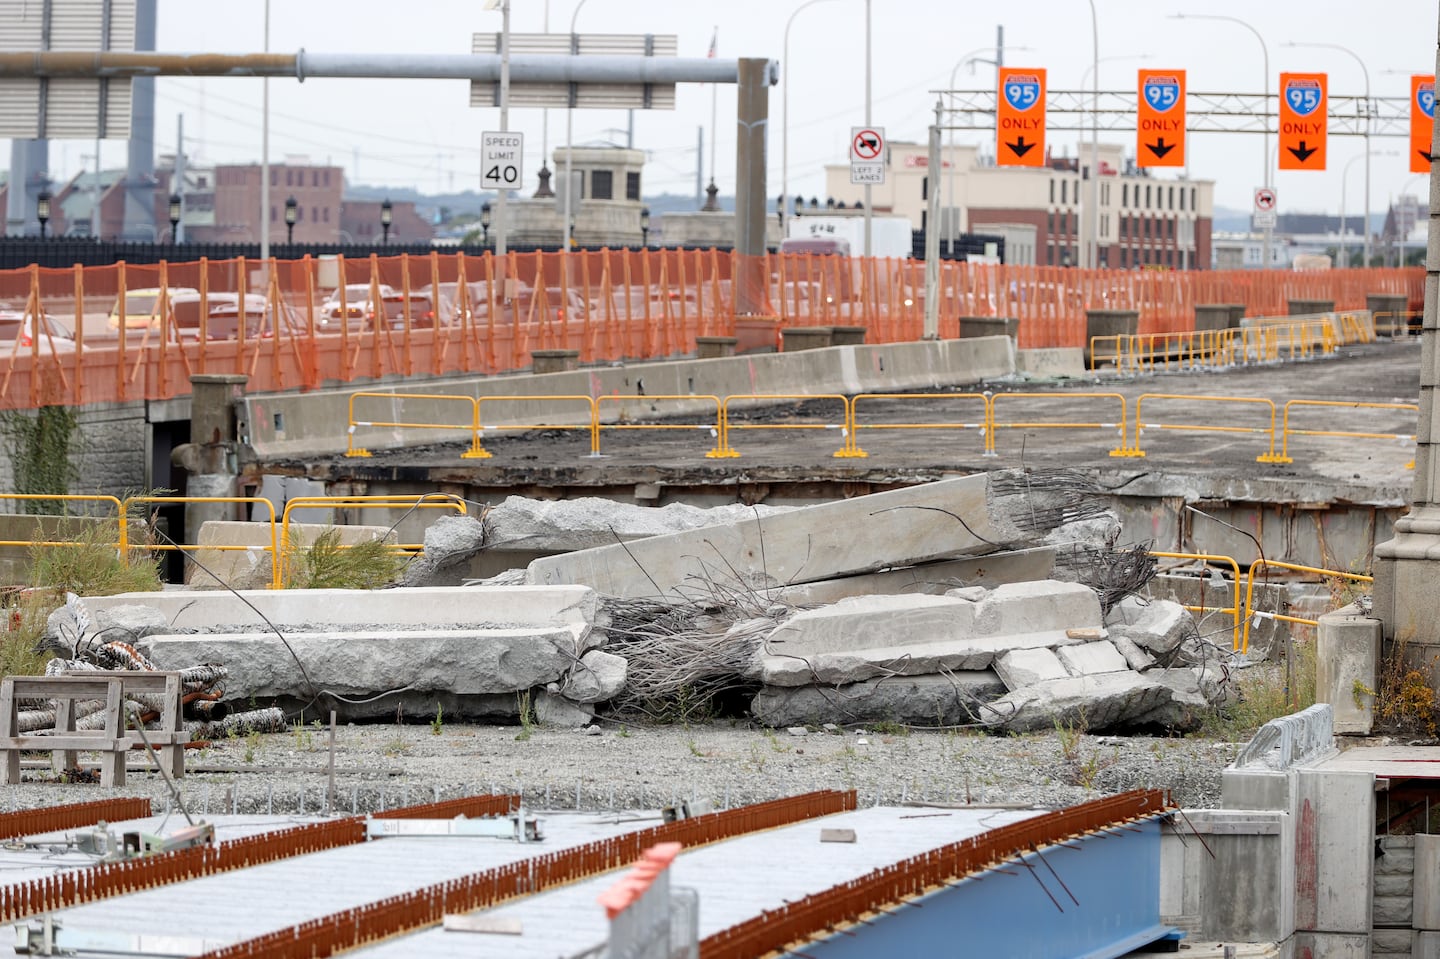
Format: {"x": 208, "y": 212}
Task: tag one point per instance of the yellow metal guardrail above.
{"x": 996, "y": 425}
{"x": 1404, "y": 328}
{"x": 273, "y": 550}
{"x": 1233, "y": 610}
{"x": 716, "y": 429}
{"x": 473, "y": 427}
{"x": 590, "y": 425}
{"x": 63, "y": 497}
{"x": 1286, "y": 432}
{"x": 985, "y": 424}
{"x": 1252, "y": 615}
{"x": 847, "y": 448}
{"x": 1265, "y": 341}
{"x": 371, "y": 501}
{"x": 1266, "y": 457}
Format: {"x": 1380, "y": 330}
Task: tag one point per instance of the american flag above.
{"x": 713, "y": 38}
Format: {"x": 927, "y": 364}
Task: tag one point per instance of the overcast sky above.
{"x": 422, "y": 133}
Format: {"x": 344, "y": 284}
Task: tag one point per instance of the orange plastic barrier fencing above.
{"x": 310, "y": 322}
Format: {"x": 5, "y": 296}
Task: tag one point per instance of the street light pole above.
{"x": 1092, "y": 259}
{"x": 1264, "y": 156}
{"x": 869, "y": 200}
{"x": 949, "y": 178}
{"x": 1369, "y": 122}
{"x": 785, "y": 108}
{"x": 569, "y": 132}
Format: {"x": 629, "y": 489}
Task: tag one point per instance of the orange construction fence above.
{"x": 324, "y": 321}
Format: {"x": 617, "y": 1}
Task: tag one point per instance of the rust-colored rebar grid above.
{"x": 107, "y": 879}
{"x": 890, "y": 886}
{"x": 28, "y": 822}
{"x": 472, "y": 807}
{"x": 428, "y": 906}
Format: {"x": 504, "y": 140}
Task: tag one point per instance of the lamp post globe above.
{"x": 292, "y": 213}
{"x": 387, "y": 215}
{"x": 42, "y": 210}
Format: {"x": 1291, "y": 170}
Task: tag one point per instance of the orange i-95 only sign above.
{"x": 1304, "y": 121}
{"x": 1422, "y": 121}
{"x": 1160, "y": 126}
{"x": 1020, "y": 118}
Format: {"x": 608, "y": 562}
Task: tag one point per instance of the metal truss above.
{"x": 1204, "y": 112}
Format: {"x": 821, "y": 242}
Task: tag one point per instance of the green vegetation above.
{"x": 89, "y": 566}
{"x": 327, "y": 564}
{"x": 39, "y": 447}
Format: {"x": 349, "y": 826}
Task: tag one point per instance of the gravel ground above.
{"x": 630, "y": 767}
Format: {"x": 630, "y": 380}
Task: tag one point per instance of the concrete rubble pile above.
{"x": 104, "y": 641}
{"x": 940, "y": 604}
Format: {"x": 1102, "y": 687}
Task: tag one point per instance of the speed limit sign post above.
{"x": 501, "y": 159}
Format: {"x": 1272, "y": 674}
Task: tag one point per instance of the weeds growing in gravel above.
{"x": 527, "y": 717}
{"x": 437, "y": 725}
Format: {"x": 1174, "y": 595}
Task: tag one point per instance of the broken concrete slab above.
{"x": 1194, "y": 693}
{"x": 249, "y": 567}
{"x": 1091, "y": 659}
{"x": 852, "y": 666}
{"x": 945, "y": 577}
{"x": 599, "y": 677}
{"x": 586, "y": 522}
{"x": 908, "y": 526}
{"x": 1037, "y": 606}
{"x": 450, "y": 543}
{"x": 863, "y": 622}
{"x": 360, "y": 663}
{"x": 913, "y": 700}
{"x": 125, "y": 623}
{"x": 1157, "y": 625}
{"x": 1100, "y": 702}
{"x": 557, "y": 711}
{"x": 435, "y": 606}
{"x": 1018, "y": 668}
{"x": 1137, "y": 658}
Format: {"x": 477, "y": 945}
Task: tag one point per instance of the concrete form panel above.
{"x": 1347, "y": 662}
{"x": 1426, "y": 915}
{"x": 1334, "y": 816}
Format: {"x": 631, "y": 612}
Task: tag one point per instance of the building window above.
{"x": 272, "y": 214}
{"x": 289, "y": 177}
{"x": 1147, "y": 194}
{"x": 327, "y": 177}
{"x": 1192, "y": 198}
{"x": 314, "y": 177}
{"x": 274, "y": 180}
{"x": 632, "y": 186}
{"x": 602, "y": 185}
{"x": 1064, "y": 191}
{"x": 1052, "y": 189}
{"x": 1124, "y": 194}
{"x": 924, "y": 188}
{"x": 326, "y": 211}
{"x": 1182, "y": 198}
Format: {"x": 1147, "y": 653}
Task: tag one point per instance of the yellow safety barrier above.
{"x": 1404, "y": 326}
{"x": 590, "y": 426}
{"x": 847, "y": 447}
{"x": 1287, "y": 432}
{"x": 1251, "y": 614}
{"x": 1234, "y": 610}
{"x": 719, "y": 451}
{"x": 473, "y": 427}
{"x": 996, "y": 425}
{"x": 1135, "y": 450}
{"x": 63, "y": 497}
{"x": 185, "y": 547}
{"x": 856, "y": 426}
{"x": 371, "y": 501}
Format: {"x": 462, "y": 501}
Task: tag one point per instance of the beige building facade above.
{"x": 1146, "y": 220}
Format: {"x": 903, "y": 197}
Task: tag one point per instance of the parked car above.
{"x": 140, "y": 309}
{"x": 421, "y": 312}
{"x": 221, "y": 313}
{"x": 17, "y": 331}
{"x": 358, "y": 310}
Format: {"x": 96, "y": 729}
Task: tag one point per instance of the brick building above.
{"x": 1144, "y": 220}
{"x": 318, "y": 193}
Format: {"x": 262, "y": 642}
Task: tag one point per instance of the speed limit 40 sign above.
{"x": 501, "y": 156}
